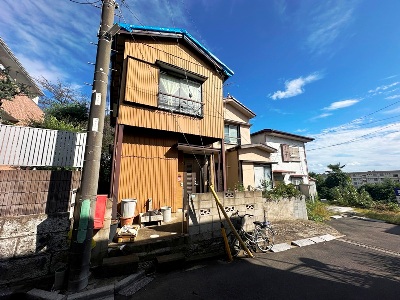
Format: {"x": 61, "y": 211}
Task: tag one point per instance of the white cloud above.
{"x": 393, "y": 111}
{"x": 53, "y": 40}
{"x": 327, "y": 21}
{"x": 295, "y": 87}
{"x": 342, "y": 104}
{"x": 382, "y": 88}
{"x": 393, "y": 97}
{"x": 362, "y": 154}
{"x": 389, "y": 77}
{"x": 301, "y": 130}
{"x": 280, "y": 111}
{"x": 321, "y": 116}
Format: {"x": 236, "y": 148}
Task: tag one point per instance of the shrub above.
{"x": 383, "y": 191}
{"x": 349, "y": 196}
{"x": 282, "y": 190}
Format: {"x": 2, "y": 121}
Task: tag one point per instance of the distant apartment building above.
{"x": 360, "y": 178}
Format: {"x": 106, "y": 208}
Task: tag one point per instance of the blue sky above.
{"x": 324, "y": 69}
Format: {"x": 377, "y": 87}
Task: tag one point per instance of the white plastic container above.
{"x": 128, "y": 207}
{"x": 166, "y": 211}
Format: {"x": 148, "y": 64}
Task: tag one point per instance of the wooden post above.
{"x": 230, "y": 223}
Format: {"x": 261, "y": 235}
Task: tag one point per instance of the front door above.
{"x": 191, "y": 177}
{"x": 195, "y": 175}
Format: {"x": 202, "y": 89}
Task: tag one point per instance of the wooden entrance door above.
{"x": 191, "y": 179}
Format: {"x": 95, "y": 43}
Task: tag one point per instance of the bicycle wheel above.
{"x": 264, "y": 238}
{"x": 234, "y": 245}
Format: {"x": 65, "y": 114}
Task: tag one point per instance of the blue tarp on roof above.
{"x": 129, "y": 28}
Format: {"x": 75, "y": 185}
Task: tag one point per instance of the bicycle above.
{"x": 262, "y": 237}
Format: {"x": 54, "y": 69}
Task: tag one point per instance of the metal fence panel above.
{"x": 37, "y": 147}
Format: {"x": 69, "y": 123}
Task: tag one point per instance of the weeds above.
{"x": 317, "y": 211}
{"x": 387, "y": 213}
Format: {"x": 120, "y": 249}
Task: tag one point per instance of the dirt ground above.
{"x": 291, "y": 230}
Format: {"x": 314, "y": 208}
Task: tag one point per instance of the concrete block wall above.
{"x": 286, "y": 209}
{"x": 203, "y": 217}
{"x": 204, "y": 222}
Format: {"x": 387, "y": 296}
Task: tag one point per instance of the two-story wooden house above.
{"x": 248, "y": 165}
{"x": 166, "y": 101}
{"x": 291, "y": 160}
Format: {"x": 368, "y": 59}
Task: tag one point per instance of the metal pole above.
{"x": 80, "y": 249}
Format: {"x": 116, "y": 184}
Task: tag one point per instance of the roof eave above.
{"x": 17, "y": 67}
{"x": 246, "y": 111}
{"x": 282, "y": 134}
{"x": 181, "y": 33}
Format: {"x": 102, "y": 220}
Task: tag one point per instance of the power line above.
{"x": 87, "y": 2}
{"x": 361, "y": 118}
{"x": 362, "y": 137}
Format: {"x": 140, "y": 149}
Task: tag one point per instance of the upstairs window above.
{"x": 231, "y": 134}
{"x": 180, "y": 94}
{"x": 290, "y": 153}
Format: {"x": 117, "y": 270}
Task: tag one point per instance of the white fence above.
{"x": 26, "y": 146}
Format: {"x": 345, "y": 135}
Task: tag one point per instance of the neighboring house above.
{"x": 247, "y": 164}
{"x": 291, "y": 161}
{"x": 166, "y": 98}
{"x": 22, "y": 108}
{"x": 360, "y": 178}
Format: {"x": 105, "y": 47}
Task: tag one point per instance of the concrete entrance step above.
{"x": 150, "y": 249}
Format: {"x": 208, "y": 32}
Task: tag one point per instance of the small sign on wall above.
{"x": 397, "y": 192}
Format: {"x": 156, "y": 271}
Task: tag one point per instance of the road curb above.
{"x": 133, "y": 282}
{"x": 304, "y": 242}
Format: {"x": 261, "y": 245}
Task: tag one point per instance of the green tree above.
{"x": 336, "y": 186}
{"x": 60, "y": 93}
{"x": 9, "y": 88}
{"x": 65, "y": 107}
{"x": 383, "y": 191}
{"x": 335, "y": 168}
{"x": 322, "y": 190}
{"x": 336, "y": 177}
{"x": 106, "y": 157}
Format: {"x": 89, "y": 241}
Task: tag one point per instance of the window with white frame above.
{"x": 231, "y": 134}
{"x": 179, "y": 93}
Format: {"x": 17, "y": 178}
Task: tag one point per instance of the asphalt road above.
{"x": 365, "y": 264}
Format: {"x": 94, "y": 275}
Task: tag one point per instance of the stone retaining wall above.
{"x": 32, "y": 246}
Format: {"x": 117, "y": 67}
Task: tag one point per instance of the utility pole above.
{"x": 80, "y": 249}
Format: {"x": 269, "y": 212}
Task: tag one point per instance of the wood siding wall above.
{"x": 149, "y": 169}
{"x": 142, "y": 88}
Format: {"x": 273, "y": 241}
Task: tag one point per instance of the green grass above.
{"x": 391, "y": 217}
